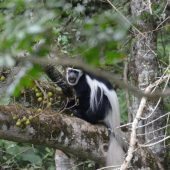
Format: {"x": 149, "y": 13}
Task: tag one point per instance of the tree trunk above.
{"x": 143, "y": 68}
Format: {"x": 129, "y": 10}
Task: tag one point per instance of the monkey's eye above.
{"x": 73, "y": 71}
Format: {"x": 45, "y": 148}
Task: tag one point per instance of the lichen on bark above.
{"x": 144, "y": 70}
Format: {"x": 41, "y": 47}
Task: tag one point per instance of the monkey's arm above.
{"x": 74, "y": 107}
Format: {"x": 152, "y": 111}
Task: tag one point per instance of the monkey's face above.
{"x": 73, "y": 76}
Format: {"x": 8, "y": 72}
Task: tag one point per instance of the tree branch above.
{"x": 69, "y": 134}
{"x": 116, "y": 79}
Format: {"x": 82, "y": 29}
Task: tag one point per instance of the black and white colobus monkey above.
{"x": 97, "y": 102}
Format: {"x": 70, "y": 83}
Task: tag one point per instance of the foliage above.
{"x": 24, "y": 156}
{"x": 77, "y": 28}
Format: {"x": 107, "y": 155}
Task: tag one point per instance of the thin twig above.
{"x": 144, "y": 118}
{"x": 162, "y": 22}
{"x": 153, "y": 120}
{"x": 149, "y": 145}
{"x": 133, "y": 137}
{"x": 150, "y": 6}
{"x": 116, "y": 167}
{"x": 142, "y": 134}
{"x": 41, "y": 89}
{"x": 127, "y": 124}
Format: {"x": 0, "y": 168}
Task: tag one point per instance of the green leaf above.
{"x": 16, "y": 150}
{"x": 4, "y": 100}
{"x": 112, "y": 56}
{"x": 92, "y": 56}
{"x": 26, "y": 80}
{"x": 31, "y": 157}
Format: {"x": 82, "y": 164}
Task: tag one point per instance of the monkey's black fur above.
{"x": 83, "y": 110}
{"x": 98, "y": 103}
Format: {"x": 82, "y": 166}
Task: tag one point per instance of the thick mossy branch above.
{"x": 69, "y": 134}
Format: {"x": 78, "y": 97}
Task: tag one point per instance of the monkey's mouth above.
{"x": 72, "y": 79}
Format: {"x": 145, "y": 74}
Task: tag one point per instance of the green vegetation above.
{"x": 101, "y": 37}
{"x": 23, "y": 156}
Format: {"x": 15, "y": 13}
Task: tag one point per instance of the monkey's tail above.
{"x": 115, "y": 155}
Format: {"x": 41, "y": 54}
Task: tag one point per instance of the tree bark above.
{"x": 144, "y": 70}
{"x": 62, "y": 161}
{"x": 69, "y": 134}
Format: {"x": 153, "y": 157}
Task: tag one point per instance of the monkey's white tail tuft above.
{"x": 115, "y": 154}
